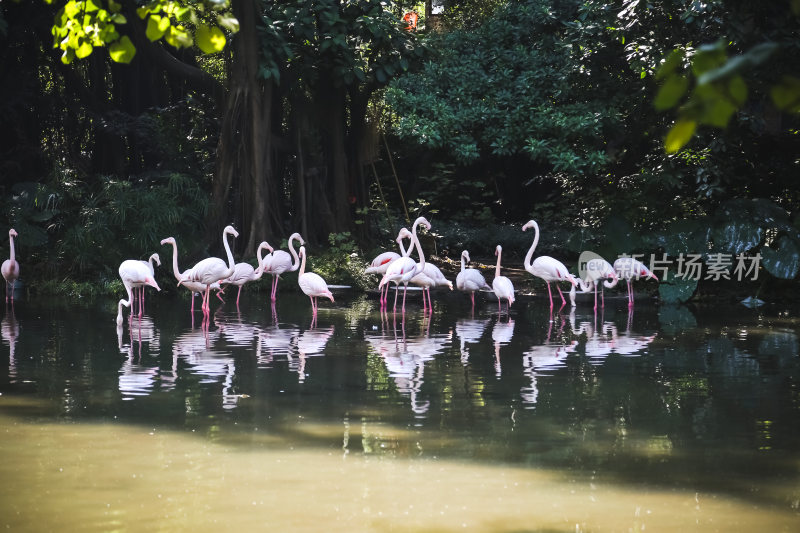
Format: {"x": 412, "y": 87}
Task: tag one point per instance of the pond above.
{"x": 660, "y": 419}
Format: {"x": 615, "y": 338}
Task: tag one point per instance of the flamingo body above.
{"x": 212, "y": 269}
{"x": 501, "y": 285}
{"x": 278, "y": 262}
{"x": 312, "y": 284}
{"x": 630, "y": 269}
{"x": 10, "y": 267}
{"x": 545, "y": 267}
{"x": 381, "y": 263}
{"x": 134, "y": 273}
{"x": 469, "y": 279}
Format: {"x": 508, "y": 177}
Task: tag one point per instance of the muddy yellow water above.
{"x": 116, "y": 477}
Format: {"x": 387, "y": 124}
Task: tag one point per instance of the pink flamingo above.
{"x": 279, "y": 262}
{"x": 501, "y": 285}
{"x": 403, "y": 269}
{"x": 10, "y": 268}
{"x": 134, "y": 273}
{"x": 470, "y": 279}
{"x": 211, "y": 269}
{"x": 545, "y": 267}
{"x": 598, "y": 270}
{"x": 430, "y": 276}
{"x": 312, "y": 284}
{"x": 193, "y": 286}
{"x": 380, "y": 264}
{"x": 149, "y": 264}
{"x": 245, "y": 273}
{"x": 629, "y": 269}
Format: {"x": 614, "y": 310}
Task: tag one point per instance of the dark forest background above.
{"x": 667, "y": 127}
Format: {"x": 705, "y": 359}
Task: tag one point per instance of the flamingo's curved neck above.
{"x": 529, "y": 256}
{"x": 403, "y": 250}
{"x": 585, "y": 286}
{"x": 463, "y": 261}
{"x": 415, "y": 240}
{"x": 175, "y": 270}
{"x": 11, "y": 246}
{"x": 151, "y": 260}
{"x": 611, "y": 283}
{"x": 231, "y": 264}
{"x": 303, "y": 264}
{"x": 296, "y": 260}
{"x": 260, "y": 270}
{"x": 497, "y": 269}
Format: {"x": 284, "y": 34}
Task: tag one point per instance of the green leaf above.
{"x": 677, "y": 291}
{"x": 84, "y": 50}
{"x": 122, "y": 51}
{"x": 719, "y": 112}
{"x": 737, "y": 236}
{"x": 786, "y": 94}
{"x": 228, "y": 21}
{"x": 679, "y": 135}
{"x": 156, "y": 27}
{"x": 783, "y": 261}
{"x": 670, "y": 64}
{"x": 178, "y": 37}
{"x": 671, "y": 92}
{"x": 210, "y": 39}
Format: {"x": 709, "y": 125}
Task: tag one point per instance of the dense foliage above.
{"x": 622, "y": 126}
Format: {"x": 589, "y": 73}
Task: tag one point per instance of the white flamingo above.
{"x": 133, "y": 274}
{"x": 470, "y": 279}
{"x": 629, "y": 269}
{"x": 279, "y": 262}
{"x": 403, "y": 269}
{"x": 312, "y": 284}
{"x": 598, "y": 271}
{"x": 10, "y": 268}
{"x": 545, "y": 267}
{"x": 154, "y": 258}
{"x": 245, "y": 273}
{"x": 430, "y": 276}
{"x": 501, "y": 285}
{"x": 379, "y": 265}
{"x": 212, "y": 269}
{"x": 193, "y": 286}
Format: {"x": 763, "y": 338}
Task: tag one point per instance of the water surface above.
{"x": 664, "y": 418}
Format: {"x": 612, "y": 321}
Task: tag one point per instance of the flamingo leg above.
{"x": 630, "y": 293}
{"x": 395, "y": 298}
{"x": 549, "y": 292}
{"x": 405, "y": 290}
{"x": 563, "y": 301}
{"x": 595, "y": 296}
{"x": 238, "y": 294}
{"x": 472, "y": 296}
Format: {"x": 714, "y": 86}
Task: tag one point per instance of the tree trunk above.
{"x": 332, "y": 105}
{"x": 244, "y": 152}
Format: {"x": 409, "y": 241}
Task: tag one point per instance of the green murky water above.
{"x": 661, "y": 419}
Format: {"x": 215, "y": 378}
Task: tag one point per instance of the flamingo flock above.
{"x": 214, "y": 273}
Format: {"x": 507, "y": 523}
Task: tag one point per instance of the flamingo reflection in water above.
{"x": 206, "y": 359}
{"x": 275, "y": 342}
{"x": 542, "y": 360}
{"x": 501, "y": 336}
{"x": 135, "y": 378}
{"x": 308, "y": 343}
{"x": 470, "y": 331}
{"x": 10, "y": 331}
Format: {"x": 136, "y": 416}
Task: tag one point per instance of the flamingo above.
{"x": 134, "y": 273}
{"x": 193, "y": 286}
{"x": 598, "y": 270}
{"x": 403, "y": 269}
{"x": 470, "y": 279}
{"x": 312, "y": 284}
{"x": 244, "y": 272}
{"x": 629, "y": 269}
{"x": 545, "y": 267}
{"x": 430, "y": 276}
{"x": 149, "y": 264}
{"x": 211, "y": 269}
{"x": 279, "y": 262}
{"x": 501, "y": 285}
{"x": 381, "y": 263}
{"x": 10, "y": 268}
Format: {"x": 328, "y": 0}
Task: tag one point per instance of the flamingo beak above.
{"x": 653, "y": 276}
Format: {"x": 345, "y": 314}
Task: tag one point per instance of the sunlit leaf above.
{"x": 156, "y": 26}
{"x": 210, "y": 39}
{"x": 719, "y": 112}
{"x": 178, "y": 37}
{"x": 122, "y": 51}
{"x": 228, "y": 21}
{"x": 737, "y": 236}
{"x": 671, "y": 92}
{"x": 84, "y": 50}
{"x": 679, "y": 135}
